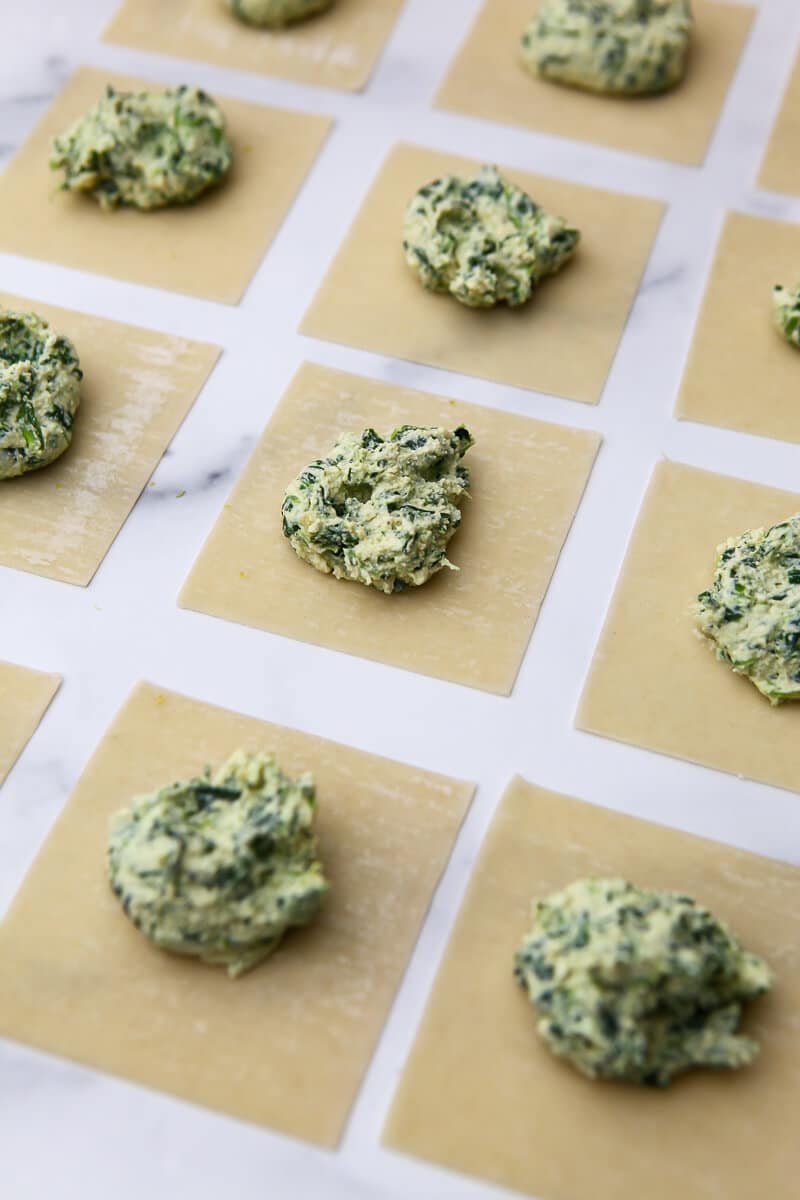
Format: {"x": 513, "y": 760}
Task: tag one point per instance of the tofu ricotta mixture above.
{"x": 636, "y": 984}
{"x": 145, "y": 149}
{"x": 220, "y": 866}
{"x": 380, "y": 511}
{"x": 39, "y": 393}
{"x": 786, "y": 312}
{"x": 751, "y": 612}
{"x": 274, "y": 14}
{"x": 483, "y": 240}
{"x": 626, "y": 47}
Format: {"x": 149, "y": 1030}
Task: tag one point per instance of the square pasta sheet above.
{"x": 470, "y": 626}
{"x": 741, "y": 373}
{"x": 138, "y": 386}
{"x": 336, "y": 49}
{"x": 24, "y": 698}
{"x": 488, "y": 80}
{"x": 371, "y": 299}
{"x": 655, "y": 681}
{"x": 287, "y": 1044}
{"x": 209, "y": 249}
{"x": 528, "y": 1120}
{"x": 780, "y": 169}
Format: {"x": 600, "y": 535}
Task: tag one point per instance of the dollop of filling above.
{"x": 40, "y": 379}
{"x": 786, "y": 312}
{"x": 219, "y": 867}
{"x": 276, "y": 14}
{"x": 636, "y": 984}
{"x": 483, "y": 240}
{"x": 145, "y": 149}
{"x": 623, "y": 47}
{"x": 751, "y": 612}
{"x": 380, "y": 511}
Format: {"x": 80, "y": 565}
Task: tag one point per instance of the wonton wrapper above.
{"x": 138, "y": 386}
{"x": 483, "y": 1094}
{"x": 336, "y": 49}
{"x": 741, "y": 373}
{"x": 562, "y": 341}
{"x": 470, "y": 626}
{"x": 210, "y": 248}
{"x": 287, "y": 1044}
{"x": 488, "y": 80}
{"x": 780, "y": 168}
{"x": 655, "y": 681}
{"x": 24, "y": 698}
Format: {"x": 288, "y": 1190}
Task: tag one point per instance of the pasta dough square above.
{"x": 24, "y": 699}
{"x": 741, "y": 374}
{"x": 371, "y": 299}
{"x": 209, "y": 249}
{"x": 470, "y": 626}
{"x": 655, "y": 681}
{"x": 336, "y": 49}
{"x": 138, "y": 386}
{"x": 483, "y": 1094}
{"x": 780, "y": 170}
{"x": 488, "y": 80}
{"x": 287, "y": 1044}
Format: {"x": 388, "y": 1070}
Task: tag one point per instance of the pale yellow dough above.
{"x": 339, "y": 48}
{"x": 487, "y": 79}
{"x": 780, "y": 168}
{"x": 137, "y": 388}
{"x": 210, "y": 249}
{"x": 471, "y": 626}
{"x": 740, "y": 373}
{"x": 287, "y": 1045}
{"x": 24, "y": 698}
{"x": 387, "y": 311}
{"x": 483, "y": 1095}
{"x": 654, "y": 681}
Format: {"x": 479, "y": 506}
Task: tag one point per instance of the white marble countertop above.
{"x": 67, "y": 1132}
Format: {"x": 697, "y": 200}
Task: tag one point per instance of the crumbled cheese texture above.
{"x": 751, "y": 612}
{"x": 219, "y": 867}
{"x": 39, "y": 393}
{"x": 483, "y": 240}
{"x": 636, "y": 984}
{"x": 380, "y": 511}
{"x": 625, "y": 47}
{"x": 275, "y": 14}
{"x": 786, "y": 312}
{"x": 145, "y": 149}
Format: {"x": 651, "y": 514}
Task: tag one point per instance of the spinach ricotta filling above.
{"x": 786, "y": 312}
{"x": 40, "y": 379}
{"x": 219, "y": 867}
{"x": 145, "y": 149}
{"x": 380, "y": 511}
{"x": 626, "y": 47}
{"x": 483, "y": 240}
{"x": 274, "y": 14}
{"x": 751, "y": 612}
{"x": 636, "y": 984}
